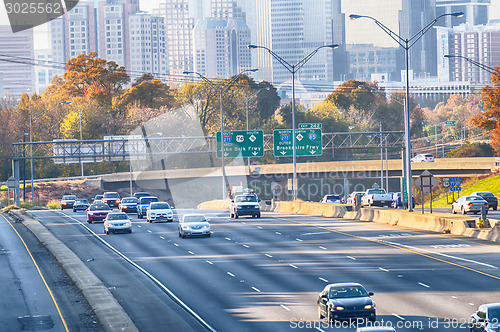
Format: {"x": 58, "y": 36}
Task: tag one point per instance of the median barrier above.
{"x": 311, "y": 209}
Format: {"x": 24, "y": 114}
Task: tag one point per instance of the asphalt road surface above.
{"x": 265, "y": 274}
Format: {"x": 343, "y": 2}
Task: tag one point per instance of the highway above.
{"x": 265, "y": 274}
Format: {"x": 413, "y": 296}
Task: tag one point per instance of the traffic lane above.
{"x": 24, "y": 293}
{"x": 494, "y": 214}
{"x": 138, "y": 295}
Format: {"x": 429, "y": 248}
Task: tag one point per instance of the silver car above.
{"x": 194, "y": 225}
{"x": 117, "y": 222}
{"x": 469, "y": 203}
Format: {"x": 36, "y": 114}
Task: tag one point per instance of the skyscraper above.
{"x": 475, "y": 11}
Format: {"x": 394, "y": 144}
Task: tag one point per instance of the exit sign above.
{"x": 450, "y": 123}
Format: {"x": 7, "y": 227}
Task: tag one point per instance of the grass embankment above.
{"x": 491, "y": 184}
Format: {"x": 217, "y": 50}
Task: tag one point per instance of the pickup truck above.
{"x": 376, "y": 197}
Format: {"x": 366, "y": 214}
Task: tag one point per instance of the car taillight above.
{"x": 486, "y": 203}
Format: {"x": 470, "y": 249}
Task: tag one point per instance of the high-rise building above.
{"x": 44, "y": 69}
{"x": 16, "y": 69}
{"x": 340, "y": 57}
{"x": 226, "y": 9}
{"x": 148, "y": 52}
{"x": 366, "y": 60}
{"x": 475, "y": 11}
{"x": 480, "y": 43}
{"x": 220, "y": 47}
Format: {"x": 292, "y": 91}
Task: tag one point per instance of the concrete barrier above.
{"x": 312, "y": 209}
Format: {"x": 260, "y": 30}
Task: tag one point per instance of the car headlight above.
{"x": 368, "y": 306}
{"x": 64, "y": 203}
{"x": 124, "y": 206}
{"x": 205, "y": 227}
{"x": 185, "y": 227}
{"x": 338, "y": 308}
{"x": 127, "y": 224}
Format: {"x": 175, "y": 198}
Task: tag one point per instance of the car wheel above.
{"x": 235, "y": 215}
{"x": 106, "y": 232}
{"x": 208, "y": 235}
{"x": 373, "y": 319}
{"x": 320, "y": 314}
{"x": 463, "y": 210}
{"x": 130, "y": 231}
{"x": 453, "y": 210}
{"x": 329, "y": 316}
{"x": 89, "y": 221}
{"x": 180, "y": 234}
{"x": 494, "y": 208}
{"x": 258, "y": 215}
{"x": 183, "y": 235}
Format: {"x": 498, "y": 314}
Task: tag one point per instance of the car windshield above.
{"x": 428, "y": 155}
{"x": 147, "y": 200}
{"x": 347, "y": 292}
{"x": 194, "y": 218}
{"x": 117, "y": 216}
{"x": 111, "y": 195}
{"x": 129, "y": 200}
{"x": 96, "y": 207}
{"x": 158, "y": 206}
{"x": 69, "y": 197}
{"x": 494, "y": 313}
{"x": 246, "y": 199}
{"x": 376, "y": 191}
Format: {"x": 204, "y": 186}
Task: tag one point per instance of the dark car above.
{"x": 488, "y": 197}
{"x": 140, "y": 194}
{"x": 486, "y": 318}
{"x": 345, "y": 301}
{"x": 81, "y": 204}
{"x": 143, "y": 205}
{"x": 97, "y": 212}
{"x": 111, "y": 198}
{"x": 128, "y": 204}
{"x": 68, "y": 201}
{"x": 397, "y": 201}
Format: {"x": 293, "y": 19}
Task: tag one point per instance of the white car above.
{"x": 194, "y": 225}
{"x": 244, "y": 205}
{"x": 117, "y": 222}
{"x": 159, "y": 211}
{"x": 421, "y": 158}
{"x": 331, "y": 199}
{"x": 469, "y": 203}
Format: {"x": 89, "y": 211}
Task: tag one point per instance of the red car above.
{"x": 97, "y": 212}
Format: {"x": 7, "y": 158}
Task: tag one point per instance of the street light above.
{"x": 31, "y": 141}
{"x": 474, "y": 62}
{"x": 406, "y": 44}
{"x": 221, "y": 90}
{"x": 246, "y": 108}
{"x": 293, "y": 69}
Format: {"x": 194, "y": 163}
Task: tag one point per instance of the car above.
{"x": 376, "y": 329}
{"x": 342, "y": 301}
{"x": 397, "y": 201}
{"x": 486, "y": 318}
{"x": 377, "y": 197}
{"x": 194, "y": 225}
{"x": 354, "y": 198}
{"x": 488, "y": 197}
{"x": 143, "y": 205}
{"x": 97, "y": 199}
{"x": 128, "y": 204}
{"x": 141, "y": 194}
{"x": 419, "y": 158}
{"x": 111, "y": 198}
{"x": 331, "y": 199}
{"x": 117, "y": 222}
{"x": 81, "y": 204}
{"x": 467, "y": 204}
{"x": 97, "y": 212}
{"x": 68, "y": 201}
{"x": 159, "y": 211}
{"x": 244, "y": 205}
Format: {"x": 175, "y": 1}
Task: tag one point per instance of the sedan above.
{"x": 486, "y": 318}
{"x": 194, "y": 225}
{"x": 97, "y": 212}
{"x": 67, "y": 201}
{"x": 128, "y": 204}
{"x": 422, "y": 158}
{"x": 81, "y": 204}
{"x": 469, "y": 203}
{"x": 488, "y": 197}
{"x": 345, "y": 301}
{"x": 117, "y": 222}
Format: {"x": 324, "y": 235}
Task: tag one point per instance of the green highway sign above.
{"x": 241, "y": 143}
{"x": 450, "y": 123}
{"x": 310, "y": 125}
{"x": 307, "y": 142}
{"x": 404, "y": 190}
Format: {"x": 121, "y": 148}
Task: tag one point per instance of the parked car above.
{"x": 488, "y": 197}
{"x": 111, "y": 198}
{"x": 419, "y": 158}
{"x": 397, "y": 201}
{"x": 486, "y": 318}
{"x": 345, "y": 301}
{"x": 355, "y": 197}
{"x": 97, "y": 212}
{"x": 331, "y": 199}
{"x": 97, "y": 199}
{"x": 467, "y": 204}
{"x": 68, "y": 201}
{"x": 159, "y": 211}
{"x": 244, "y": 205}
{"x": 143, "y": 205}
{"x": 81, "y": 204}
{"x": 117, "y": 222}
{"x": 377, "y": 197}
{"x": 194, "y": 225}
{"x": 128, "y": 204}
{"x": 141, "y": 194}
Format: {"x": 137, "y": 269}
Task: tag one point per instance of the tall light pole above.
{"x": 406, "y": 44}
{"x": 474, "y": 62}
{"x": 246, "y": 108}
{"x": 293, "y": 69}
{"x": 81, "y": 139}
{"x": 221, "y": 90}
{"x": 31, "y": 142}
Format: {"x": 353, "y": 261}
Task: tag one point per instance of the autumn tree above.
{"x": 147, "y": 92}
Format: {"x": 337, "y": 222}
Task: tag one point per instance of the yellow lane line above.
{"x": 40, "y": 273}
{"x": 394, "y": 246}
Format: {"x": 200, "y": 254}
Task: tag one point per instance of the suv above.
{"x": 331, "y": 199}
{"x": 111, "y": 198}
{"x": 143, "y": 205}
{"x": 158, "y": 211}
{"x": 244, "y": 205}
{"x": 68, "y": 201}
{"x": 141, "y": 194}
